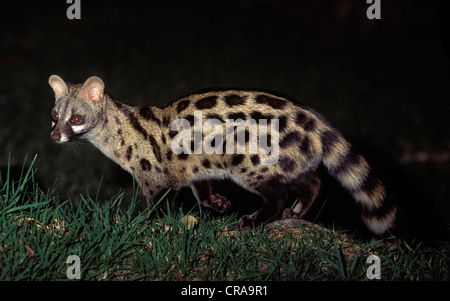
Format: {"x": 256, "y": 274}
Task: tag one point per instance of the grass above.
{"x": 115, "y": 241}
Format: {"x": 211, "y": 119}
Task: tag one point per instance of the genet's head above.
{"x": 77, "y": 108}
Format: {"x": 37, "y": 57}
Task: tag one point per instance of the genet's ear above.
{"x": 58, "y": 86}
{"x": 92, "y": 89}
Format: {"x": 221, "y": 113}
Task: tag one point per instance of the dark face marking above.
{"x": 206, "y": 163}
{"x": 206, "y": 103}
{"x": 145, "y": 165}
{"x": 147, "y": 114}
{"x": 237, "y": 159}
{"x": 234, "y": 100}
{"x": 264, "y": 169}
{"x": 291, "y": 139}
{"x": 156, "y": 148}
{"x": 275, "y": 103}
{"x": 182, "y": 105}
{"x": 255, "y": 159}
{"x": 195, "y": 169}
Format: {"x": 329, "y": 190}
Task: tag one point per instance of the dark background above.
{"x": 383, "y": 83}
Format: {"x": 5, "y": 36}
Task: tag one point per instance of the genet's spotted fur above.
{"x": 139, "y": 139}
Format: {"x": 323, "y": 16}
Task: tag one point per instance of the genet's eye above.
{"x": 76, "y": 119}
{"x": 55, "y": 117}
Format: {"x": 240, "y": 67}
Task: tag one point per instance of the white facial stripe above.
{"x": 64, "y": 138}
{"x": 78, "y": 128}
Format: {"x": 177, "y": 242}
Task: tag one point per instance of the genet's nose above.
{"x": 56, "y": 136}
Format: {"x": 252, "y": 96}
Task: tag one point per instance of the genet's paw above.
{"x": 219, "y": 202}
{"x": 288, "y": 213}
{"x": 246, "y": 223}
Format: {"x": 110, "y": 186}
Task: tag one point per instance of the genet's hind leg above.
{"x": 204, "y": 193}
{"x": 308, "y": 188}
{"x": 274, "y": 196}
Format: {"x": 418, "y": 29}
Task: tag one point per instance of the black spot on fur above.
{"x": 129, "y": 152}
{"x": 234, "y": 100}
{"x": 191, "y": 119}
{"x": 305, "y": 146}
{"x": 214, "y": 116}
{"x": 271, "y": 101}
{"x": 286, "y": 164}
{"x": 238, "y": 115}
{"x": 352, "y": 159}
{"x": 169, "y": 155}
{"x": 329, "y": 139}
{"x": 237, "y": 159}
{"x": 166, "y": 121}
{"x": 265, "y": 169}
{"x": 137, "y": 126}
{"x": 310, "y": 125}
{"x": 156, "y": 148}
{"x": 291, "y": 139}
{"x": 206, "y": 103}
{"x": 255, "y": 159}
{"x": 183, "y": 156}
{"x": 145, "y": 165}
{"x": 371, "y": 183}
{"x": 173, "y": 134}
{"x": 206, "y": 163}
{"x": 258, "y": 115}
{"x": 243, "y": 169}
{"x": 119, "y": 131}
{"x": 195, "y": 169}
{"x": 147, "y": 114}
{"x": 282, "y": 122}
{"x": 260, "y": 177}
{"x": 301, "y": 119}
{"x": 118, "y": 104}
{"x": 182, "y": 105}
